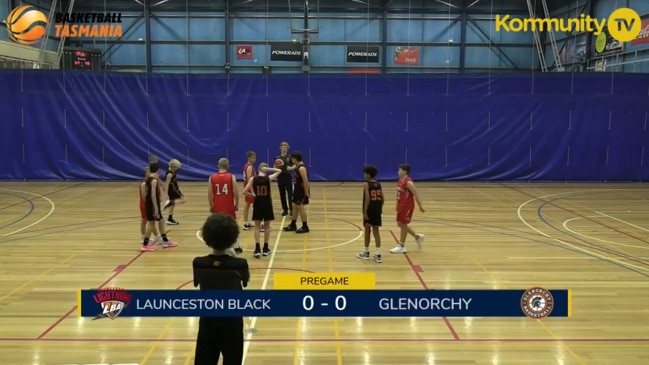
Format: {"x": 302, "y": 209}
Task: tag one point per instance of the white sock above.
{"x": 378, "y": 251}
{"x": 366, "y": 249}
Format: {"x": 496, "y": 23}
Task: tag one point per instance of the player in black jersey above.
{"x": 372, "y": 210}
{"x": 262, "y": 208}
{"x": 173, "y": 191}
{"x": 301, "y": 194}
{"x": 151, "y": 192}
{"x": 220, "y": 271}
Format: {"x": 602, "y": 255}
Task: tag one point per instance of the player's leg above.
{"x": 294, "y": 214}
{"x": 268, "y": 217}
{"x": 162, "y": 238}
{"x": 208, "y": 349}
{"x": 403, "y": 219}
{"x": 377, "y": 243}
{"x": 289, "y": 193}
{"x": 233, "y": 347}
{"x": 142, "y": 229}
{"x": 149, "y": 216}
{"x": 170, "y": 218}
{"x": 246, "y": 211}
{"x": 365, "y": 254}
{"x": 282, "y": 185}
{"x": 257, "y": 234}
{"x": 303, "y": 216}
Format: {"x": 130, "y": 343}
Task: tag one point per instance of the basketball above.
{"x": 279, "y": 163}
{"x": 26, "y": 25}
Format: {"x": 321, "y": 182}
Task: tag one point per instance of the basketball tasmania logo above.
{"x": 112, "y": 302}
{"x": 537, "y": 303}
{"x": 26, "y": 25}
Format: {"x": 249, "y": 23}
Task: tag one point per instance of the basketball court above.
{"x": 57, "y": 238}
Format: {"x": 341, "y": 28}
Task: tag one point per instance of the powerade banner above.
{"x": 364, "y": 54}
{"x": 286, "y": 52}
{"x": 533, "y": 303}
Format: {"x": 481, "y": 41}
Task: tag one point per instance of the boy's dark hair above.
{"x": 220, "y": 231}
{"x": 154, "y": 167}
{"x": 297, "y": 155}
{"x": 405, "y": 167}
{"x": 371, "y": 170}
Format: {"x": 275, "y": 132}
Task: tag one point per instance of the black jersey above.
{"x": 261, "y": 188}
{"x": 299, "y": 181}
{"x": 376, "y": 196}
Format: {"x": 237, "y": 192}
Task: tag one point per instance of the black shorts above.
{"x": 150, "y": 212}
{"x": 299, "y": 198}
{"x": 262, "y": 211}
{"x": 175, "y": 194}
{"x": 374, "y": 219}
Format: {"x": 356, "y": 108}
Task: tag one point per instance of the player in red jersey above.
{"x": 248, "y": 173}
{"x": 223, "y": 195}
{"x": 406, "y": 197}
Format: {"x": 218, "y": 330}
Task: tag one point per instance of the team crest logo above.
{"x": 537, "y": 303}
{"x": 112, "y": 302}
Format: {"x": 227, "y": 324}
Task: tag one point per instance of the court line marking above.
{"x": 360, "y": 234}
{"x": 540, "y": 322}
{"x": 67, "y": 314}
{"x": 605, "y": 258}
{"x": 52, "y": 209}
{"x": 417, "y": 273}
{"x": 4, "y": 341}
{"x": 339, "y": 350}
{"x": 29, "y": 212}
{"x": 264, "y": 284}
{"x": 152, "y": 348}
{"x": 40, "y": 276}
{"x": 622, "y": 221}
{"x": 565, "y": 225}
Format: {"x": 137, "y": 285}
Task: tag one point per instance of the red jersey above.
{"x": 404, "y": 196}
{"x": 223, "y": 196}
{"x": 247, "y": 177}
{"x": 139, "y": 189}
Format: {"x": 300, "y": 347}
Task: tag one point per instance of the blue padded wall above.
{"x": 541, "y": 127}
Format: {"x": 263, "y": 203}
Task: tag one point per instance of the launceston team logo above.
{"x": 27, "y": 25}
{"x": 112, "y": 302}
{"x": 537, "y": 303}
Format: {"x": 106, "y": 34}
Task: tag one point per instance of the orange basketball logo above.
{"x": 26, "y": 25}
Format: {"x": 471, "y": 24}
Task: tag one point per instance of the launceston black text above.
{"x": 200, "y": 304}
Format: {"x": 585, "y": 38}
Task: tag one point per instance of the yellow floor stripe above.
{"x": 40, "y": 276}
{"x": 339, "y": 352}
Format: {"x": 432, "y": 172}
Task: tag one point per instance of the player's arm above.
{"x": 167, "y": 181}
{"x": 305, "y": 178}
{"x": 366, "y": 201}
{"x": 245, "y": 273}
{"x": 413, "y": 190}
{"x": 196, "y": 280}
{"x": 210, "y": 194}
{"x": 154, "y": 187}
{"x": 248, "y": 174}
{"x": 235, "y": 192}
{"x": 248, "y": 188}
{"x": 275, "y": 171}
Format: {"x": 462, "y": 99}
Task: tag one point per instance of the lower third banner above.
{"x": 534, "y": 303}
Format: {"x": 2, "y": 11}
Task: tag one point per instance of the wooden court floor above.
{"x": 56, "y": 238}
